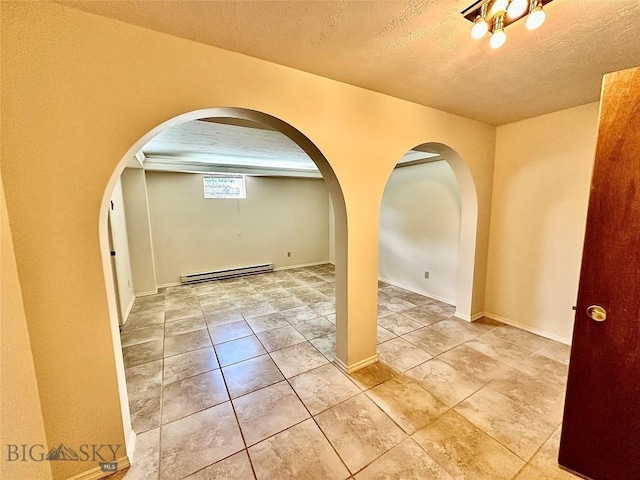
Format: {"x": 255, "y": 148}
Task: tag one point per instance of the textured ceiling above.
{"x": 208, "y": 146}
{"x": 416, "y": 50}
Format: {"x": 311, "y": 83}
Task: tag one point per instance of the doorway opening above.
{"x": 208, "y": 314}
{"x": 428, "y": 222}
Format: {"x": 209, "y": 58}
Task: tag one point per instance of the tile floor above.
{"x": 234, "y": 380}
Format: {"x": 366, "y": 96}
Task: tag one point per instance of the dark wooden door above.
{"x": 601, "y": 428}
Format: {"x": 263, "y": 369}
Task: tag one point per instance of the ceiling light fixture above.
{"x": 496, "y": 15}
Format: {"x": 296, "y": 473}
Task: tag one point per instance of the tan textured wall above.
{"x": 21, "y": 416}
{"x": 540, "y": 196}
{"x": 420, "y": 229}
{"x": 78, "y": 91}
{"x": 195, "y": 234}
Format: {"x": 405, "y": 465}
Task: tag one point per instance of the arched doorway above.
{"x": 461, "y": 200}
{"x": 336, "y": 198}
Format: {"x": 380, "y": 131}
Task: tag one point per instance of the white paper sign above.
{"x": 224, "y": 186}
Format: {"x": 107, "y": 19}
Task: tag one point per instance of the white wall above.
{"x": 420, "y": 229}
{"x": 134, "y": 190}
{"x": 540, "y": 195}
{"x": 120, "y": 243}
{"x": 193, "y": 234}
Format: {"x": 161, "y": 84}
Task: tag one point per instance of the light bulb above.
{"x": 517, "y": 8}
{"x": 497, "y": 39}
{"x": 536, "y": 17}
{"x": 499, "y": 6}
{"x": 480, "y": 28}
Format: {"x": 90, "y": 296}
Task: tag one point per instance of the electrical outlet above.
{"x": 288, "y": 254}
{"x": 426, "y": 275}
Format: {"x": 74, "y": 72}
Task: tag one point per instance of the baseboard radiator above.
{"x": 229, "y": 273}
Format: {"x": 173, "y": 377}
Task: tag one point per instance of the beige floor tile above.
{"x": 474, "y": 363}
{"x": 446, "y": 383}
{"x": 541, "y": 397}
{"x": 324, "y": 307}
{"x": 323, "y": 388}
{"x": 185, "y": 325}
{"x": 141, "y": 335}
{"x": 314, "y": 327}
{"x": 401, "y": 355}
{"x": 238, "y": 350}
{"x": 326, "y": 345}
{"x": 525, "y": 340}
{"x": 263, "y": 323}
{"x": 229, "y": 331}
{"x": 192, "y": 394}
{"x": 546, "y": 460}
{"x": 186, "y": 342}
{"x": 223, "y": 317}
{"x": 465, "y": 451}
{"x": 250, "y": 375}
{"x": 196, "y": 441}
{"x": 407, "y": 461}
{"x": 422, "y": 315}
{"x": 143, "y": 379}
{"x": 396, "y": 304}
{"x": 298, "y": 359}
{"x": 556, "y": 351}
{"x": 359, "y": 431}
{"x": 498, "y": 348}
{"x": 286, "y": 303}
{"x": 299, "y": 313}
{"x": 279, "y": 338}
{"x": 372, "y": 375}
{"x": 146, "y": 464}
{"x": 530, "y": 473}
{"x": 385, "y": 335}
{"x": 212, "y": 308}
{"x": 416, "y": 298}
{"x": 258, "y": 310}
{"x": 183, "y": 310}
{"x": 513, "y": 425}
{"x": 300, "y": 452}
{"x": 188, "y": 364}
{"x": 398, "y": 324}
{"x": 143, "y": 353}
{"x": 143, "y": 319}
{"x": 458, "y": 329}
{"x": 268, "y": 411}
{"x": 145, "y": 413}
{"x": 235, "y": 467}
{"x": 430, "y": 341}
{"x": 407, "y": 403}
{"x": 545, "y": 368}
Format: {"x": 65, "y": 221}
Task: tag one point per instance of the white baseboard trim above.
{"x": 356, "y": 366}
{"x": 146, "y": 294}
{"x": 131, "y": 444}
{"x": 170, "y": 284}
{"x": 302, "y": 265}
{"x": 97, "y": 473}
{"x": 527, "y": 328}
{"x": 468, "y": 318}
{"x": 419, "y": 292}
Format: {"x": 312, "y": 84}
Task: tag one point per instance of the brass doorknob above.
{"x": 597, "y": 313}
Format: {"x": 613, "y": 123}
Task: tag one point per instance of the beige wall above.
{"x": 21, "y": 416}
{"x": 540, "y": 195}
{"x": 420, "y": 230}
{"x": 91, "y": 91}
{"x": 134, "y": 189}
{"x": 194, "y": 234}
{"x": 122, "y": 259}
